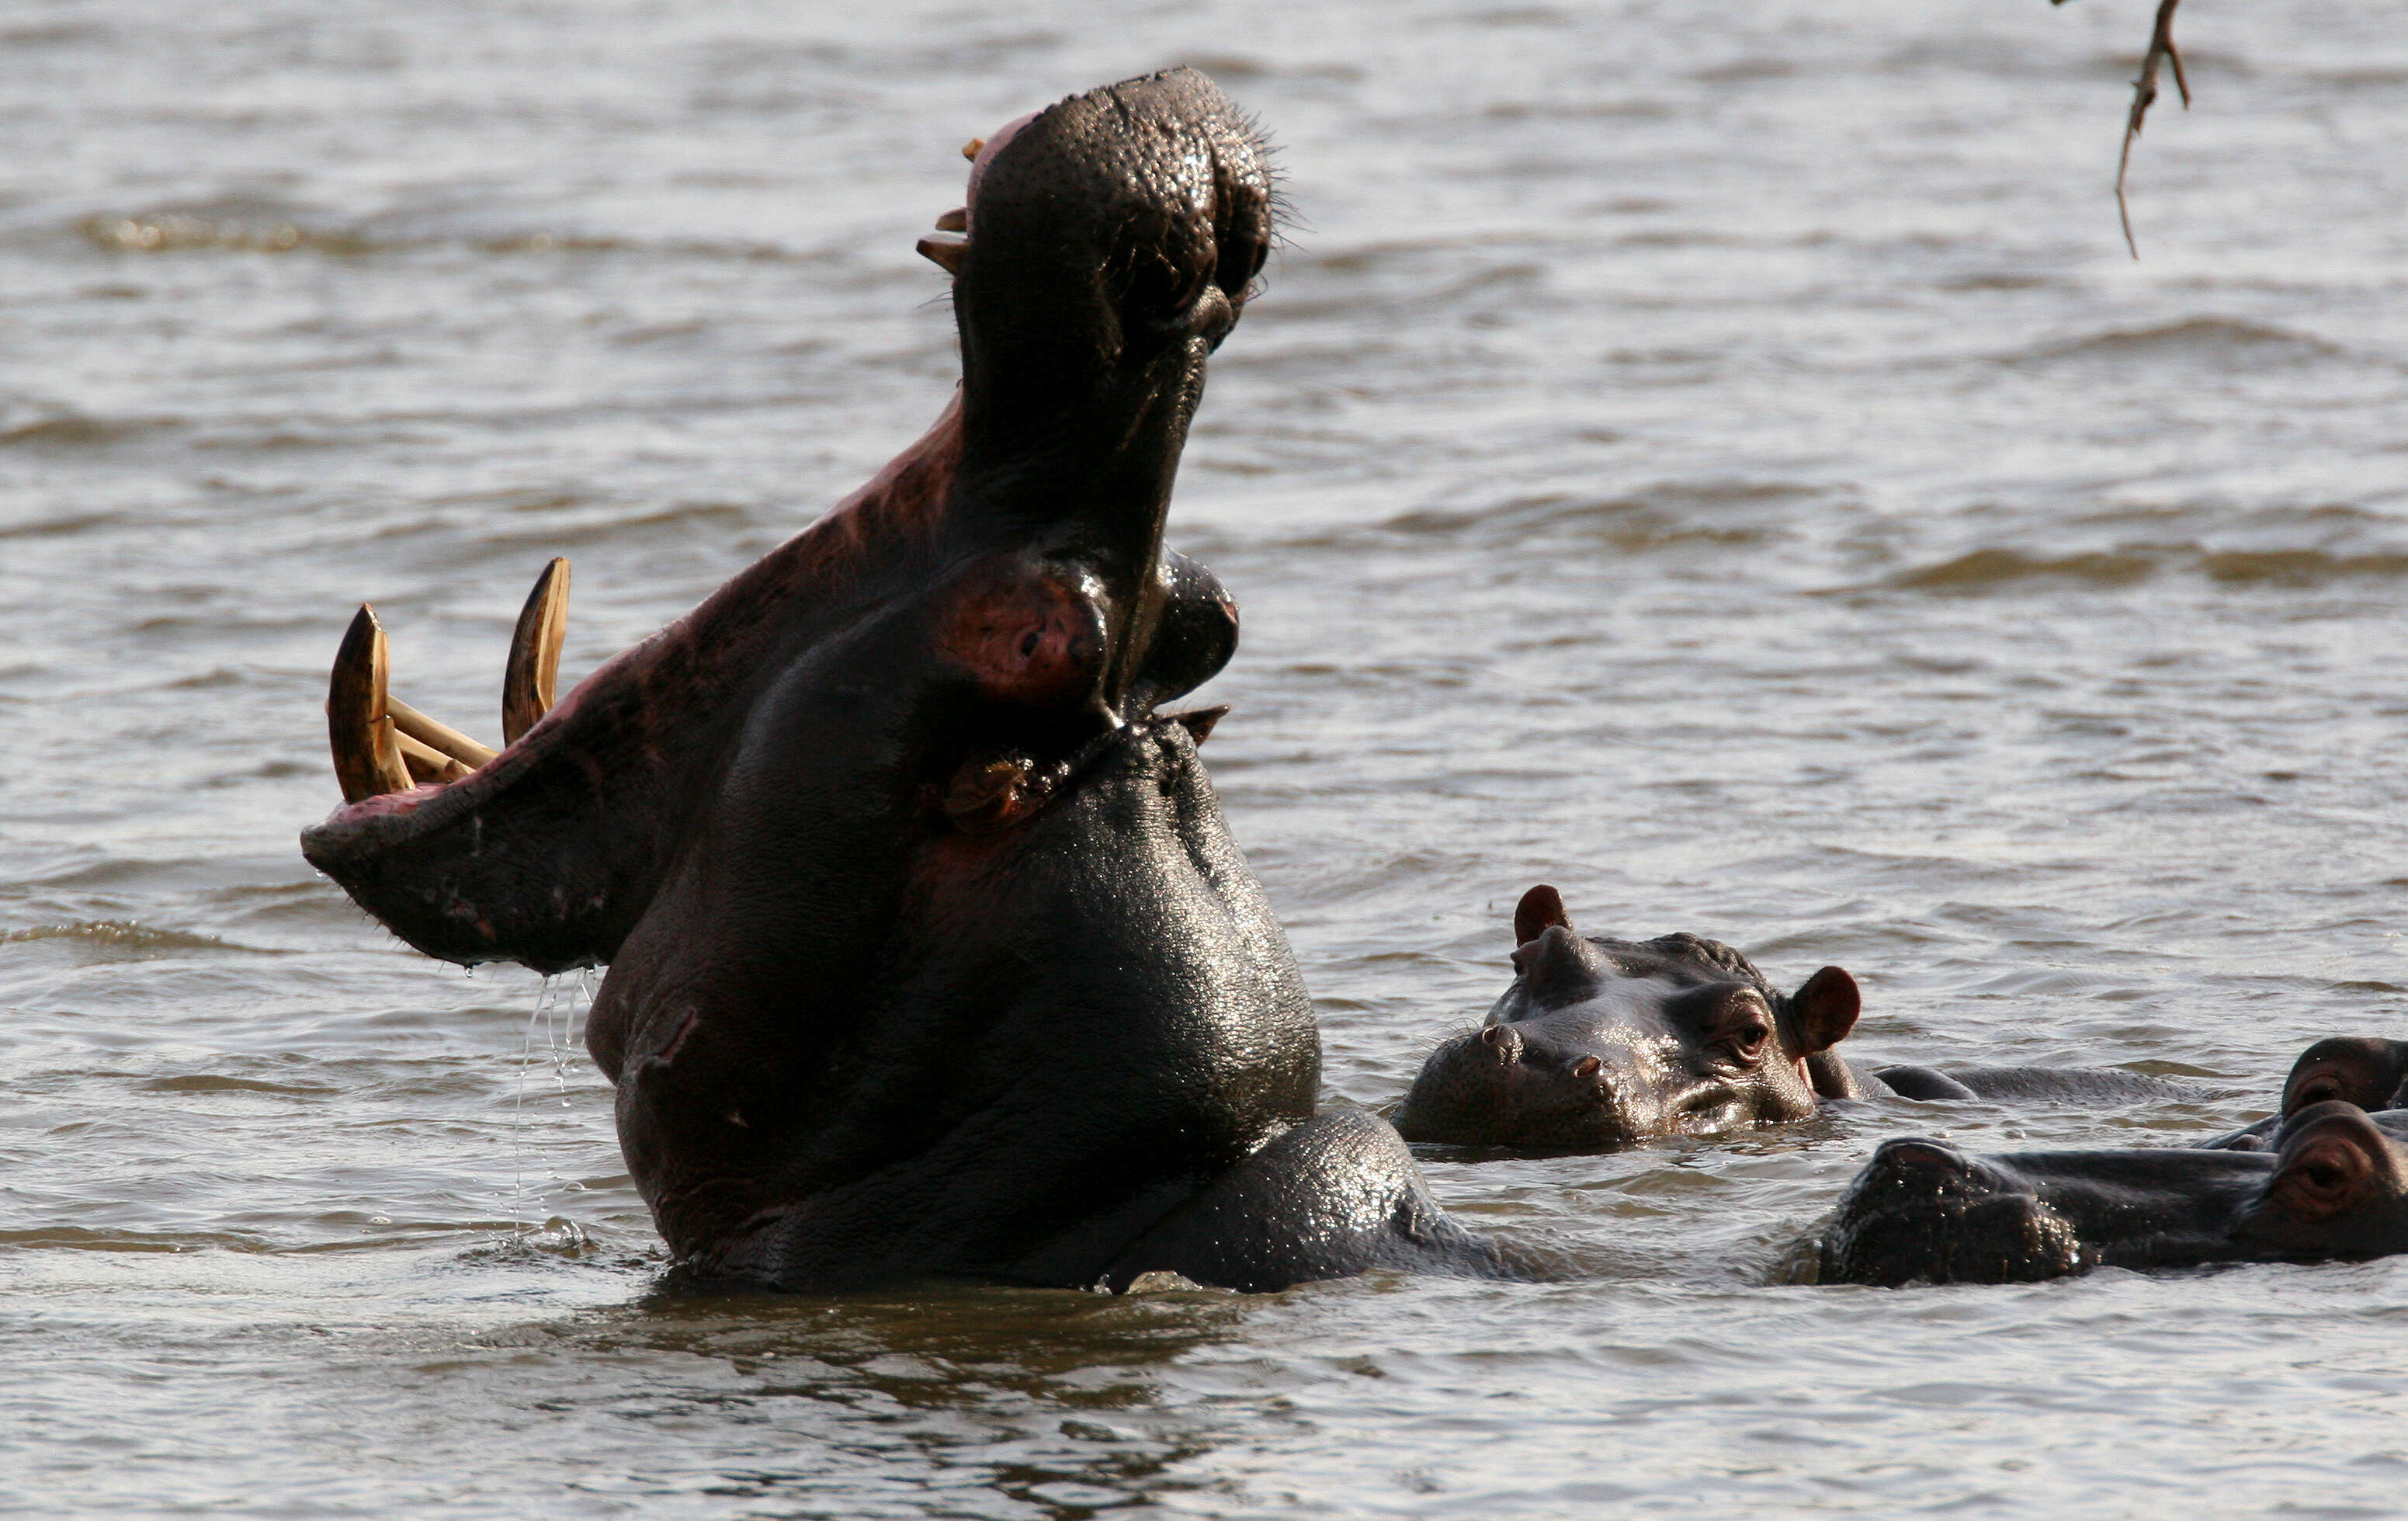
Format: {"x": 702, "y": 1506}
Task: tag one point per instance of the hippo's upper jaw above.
{"x": 929, "y": 951}
{"x": 1112, "y": 241}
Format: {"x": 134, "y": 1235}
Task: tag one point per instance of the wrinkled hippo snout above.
{"x": 1509, "y": 1086}
{"x": 1922, "y": 1211}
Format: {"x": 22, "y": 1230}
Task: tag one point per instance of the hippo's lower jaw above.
{"x": 929, "y": 951}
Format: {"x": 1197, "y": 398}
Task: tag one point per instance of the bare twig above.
{"x": 2144, "y": 94}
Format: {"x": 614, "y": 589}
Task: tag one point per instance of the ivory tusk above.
{"x": 426, "y": 763}
{"x": 944, "y": 253}
{"x": 367, "y": 759}
{"x": 955, "y": 221}
{"x": 435, "y": 734}
{"x": 971, "y": 149}
{"x": 530, "y": 680}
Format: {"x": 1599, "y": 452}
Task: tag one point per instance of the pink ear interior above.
{"x": 1540, "y": 909}
{"x": 1826, "y": 1008}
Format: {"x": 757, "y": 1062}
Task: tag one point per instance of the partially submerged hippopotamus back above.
{"x": 928, "y": 949}
{"x": 1601, "y": 1043}
{"x": 2333, "y": 1185}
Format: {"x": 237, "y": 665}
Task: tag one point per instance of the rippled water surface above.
{"x": 1718, "y": 459}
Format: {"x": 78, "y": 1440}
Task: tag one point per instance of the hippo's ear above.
{"x": 2364, "y": 1071}
{"x": 1826, "y": 1007}
{"x": 1540, "y": 909}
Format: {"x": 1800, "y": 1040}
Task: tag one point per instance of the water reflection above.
{"x": 939, "y": 1398}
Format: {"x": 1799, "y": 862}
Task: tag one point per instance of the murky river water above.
{"x": 1717, "y": 459}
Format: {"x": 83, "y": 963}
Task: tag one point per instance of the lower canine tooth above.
{"x": 368, "y": 758}
{"x": 529, "y": 681}
{"x": 435, "y": 735}
{"x": 425, "y": 762}
{"x": 971, "y": 149}
{"x": 955, "y": 221}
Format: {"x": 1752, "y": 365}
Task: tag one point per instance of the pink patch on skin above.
{"x": 986, "y": 155}
{"x": 677, "y": 1042}
{"x": 1029, "y": 638}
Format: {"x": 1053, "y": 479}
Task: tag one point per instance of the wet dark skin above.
{"x": 929, "y": 952}
{"x": 2333, "y": 1186}
{"x": 1602, "y": 1043}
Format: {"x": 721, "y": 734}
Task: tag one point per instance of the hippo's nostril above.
{"x": 1586, "y": 1067}
{"x": 1503, "y": 1039}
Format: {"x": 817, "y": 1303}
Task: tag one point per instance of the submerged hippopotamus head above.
{"x": 928, "y": 950}
{"x": 1602, "y": 1043}
{"x": 2334, "y": 1186}
{"x": 2365, "y": 1071}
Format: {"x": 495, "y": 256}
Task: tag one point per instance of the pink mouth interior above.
{"x": 391, "y": 802}
{"x": 986, "y": 155}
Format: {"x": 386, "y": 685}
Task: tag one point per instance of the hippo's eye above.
{"x": 1745, "y": 1043}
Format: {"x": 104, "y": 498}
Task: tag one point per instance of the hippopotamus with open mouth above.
{"x": 2333, "y": 1185}
{"x": 1600, "y": 1045}
{"x": 929, "y": 951}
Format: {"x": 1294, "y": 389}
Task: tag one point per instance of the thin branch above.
{"x": 2144, "y": 94}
